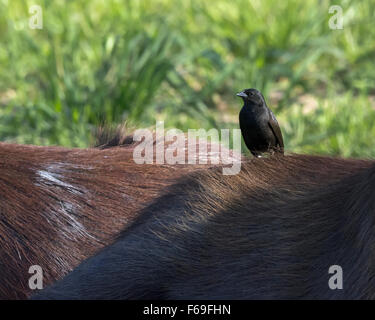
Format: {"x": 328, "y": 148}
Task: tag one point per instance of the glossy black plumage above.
{"x": 259, "y": 127}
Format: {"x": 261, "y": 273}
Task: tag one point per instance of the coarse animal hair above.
{"x": 107, "y": 136}
{"x": 270, "y": 232}
{"x": 59, "y": 206}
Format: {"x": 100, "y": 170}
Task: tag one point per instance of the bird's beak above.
{"x": 241, "y": 94}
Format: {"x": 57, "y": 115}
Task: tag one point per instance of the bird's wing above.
{"x": 246, "y": 137}
{"x": 274, "y": 125}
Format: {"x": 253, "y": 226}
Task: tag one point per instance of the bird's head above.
{"x": 252, "y": 96}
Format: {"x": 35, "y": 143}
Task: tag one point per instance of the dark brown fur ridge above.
{"x": 59, "y": 206}
{"x": 270, "y": 232}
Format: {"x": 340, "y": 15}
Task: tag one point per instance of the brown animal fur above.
{"x": 270, "y": 232}
{"x": 59, "y": 206}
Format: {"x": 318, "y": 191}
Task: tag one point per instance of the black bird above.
{"x": 258, "y": 124}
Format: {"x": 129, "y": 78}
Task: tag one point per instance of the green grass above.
{"x": 182, "y": 62}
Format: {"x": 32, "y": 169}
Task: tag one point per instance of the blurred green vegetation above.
{"x": 183, "y": 61}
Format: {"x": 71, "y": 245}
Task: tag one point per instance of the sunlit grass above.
{"x": 182, "y": 62}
